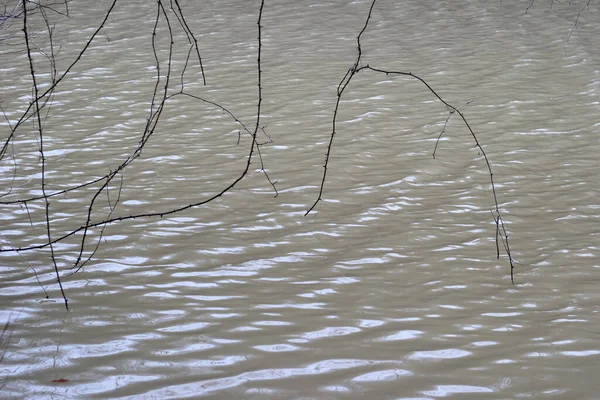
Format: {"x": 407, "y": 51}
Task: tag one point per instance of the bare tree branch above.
{"x": 355, "y": 69}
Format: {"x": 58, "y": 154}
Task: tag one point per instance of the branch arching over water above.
{"x": 501, "y": 234}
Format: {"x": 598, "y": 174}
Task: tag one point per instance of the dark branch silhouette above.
{"x": 162, "y": 92}
{"x": 168, "y": 84}
{"x": 343, "y": 85}
{"x": 42, "y": 156}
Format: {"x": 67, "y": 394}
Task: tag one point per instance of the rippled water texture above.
{"x": 390, "y": 288}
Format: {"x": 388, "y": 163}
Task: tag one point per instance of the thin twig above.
{"x": 53, "y": 86}
{"x": 42, "y": 155}
{"x": 587, "y": 5}
{"x": 356, "y": 68}
{"x": 340, "y": 91}
{"x": 450, "y": 113}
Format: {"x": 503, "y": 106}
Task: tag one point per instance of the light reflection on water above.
{"x": 391, "y": 288}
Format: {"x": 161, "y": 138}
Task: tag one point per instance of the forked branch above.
{"x": 343, "y": 85}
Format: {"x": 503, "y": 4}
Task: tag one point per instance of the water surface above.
{"x": 390, "y": 288}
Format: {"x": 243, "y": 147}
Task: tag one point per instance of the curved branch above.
{"x": 356, "y": 68}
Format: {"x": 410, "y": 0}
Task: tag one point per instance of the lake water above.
{"x": 390, "y": 288}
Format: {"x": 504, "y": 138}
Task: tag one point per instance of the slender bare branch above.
{"x": 53, "y": 86}
{"x": 355, "y": 69}
{"x": 35, "y": 102}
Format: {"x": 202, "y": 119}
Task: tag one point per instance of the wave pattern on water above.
{"x": 391, "y": 289}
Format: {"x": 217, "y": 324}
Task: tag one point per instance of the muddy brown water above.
{"x": 390, "y": 288}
